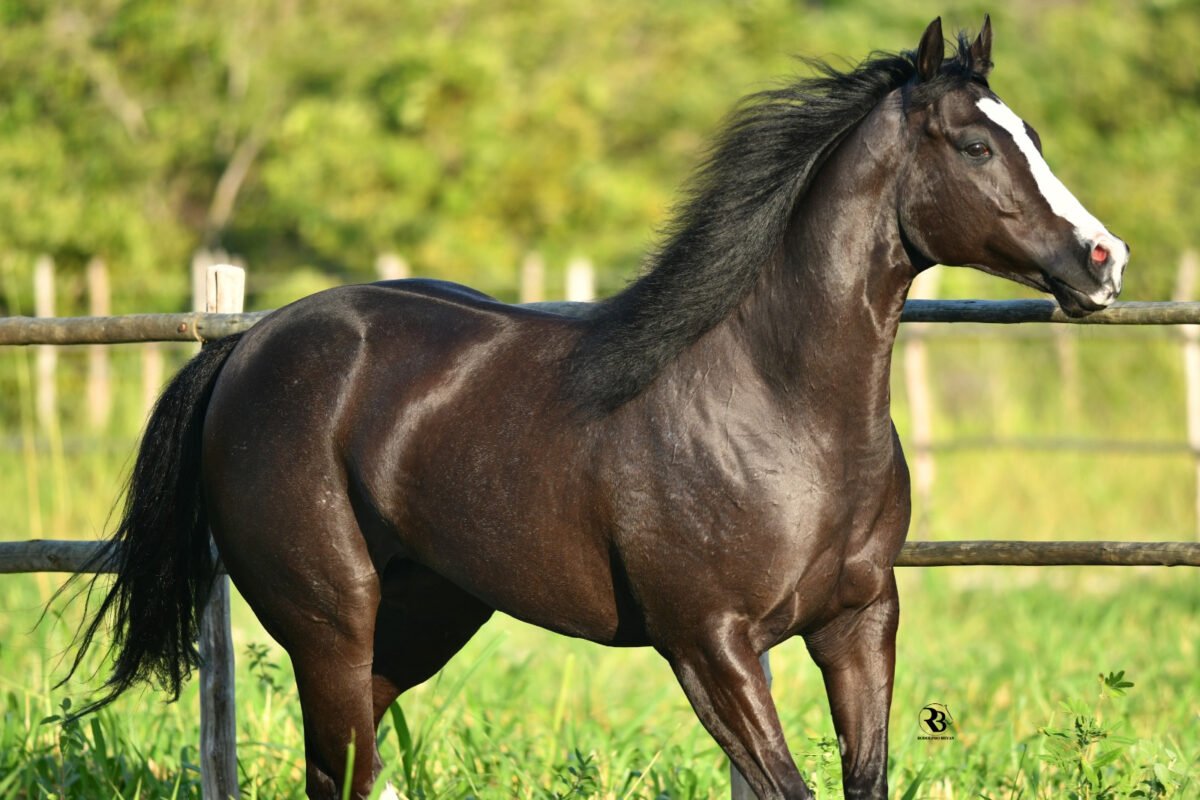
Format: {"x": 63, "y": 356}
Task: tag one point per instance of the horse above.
{"x": 704, "y": 463}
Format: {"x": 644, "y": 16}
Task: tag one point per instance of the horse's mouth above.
{"x": 1073, "y": 302}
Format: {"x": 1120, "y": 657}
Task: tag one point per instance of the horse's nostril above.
{"x": 1099, "y": 254}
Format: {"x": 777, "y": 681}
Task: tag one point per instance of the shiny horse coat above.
{"x": 704, "y": 464}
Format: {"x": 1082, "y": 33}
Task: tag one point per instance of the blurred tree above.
{"x": 310, "y": 136}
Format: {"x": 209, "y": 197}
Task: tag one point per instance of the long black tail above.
{"x": 164, "y": 566}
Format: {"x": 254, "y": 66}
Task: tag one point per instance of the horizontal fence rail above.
{"x": 1059, "y": 444}
{"x": 199, "y": 327}
{"x": 190, "y": 327}
{"x": 1007, "y": 312}
{"x": 1010, "y": 553}
{"x": 49, "y": 555}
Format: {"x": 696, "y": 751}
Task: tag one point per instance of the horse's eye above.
{"x": 978, "y": 150}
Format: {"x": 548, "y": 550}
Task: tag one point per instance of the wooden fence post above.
{"x": 1066, "y": 348}
{"x": 581, "y": 281}
{"x": 920, "y": 405}
{"x": 1185, "y": 285}
{"x": 46, "y": 391}
{"x": 391, "y": 267}
{"x": 201, "y": 261}
{"x": 738, "y": 788}
{"x": 533, "y": 278}
{"x": 152, "y": 376}
{"x": 99, "y": 381}
{"x": 218, "y": 716}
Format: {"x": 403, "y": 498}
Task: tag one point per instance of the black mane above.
{"x": 736, "y": 210}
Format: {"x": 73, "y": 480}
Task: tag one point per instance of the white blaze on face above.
{"x": 1062, "y": 202}
{"x": 1089, "y": 229}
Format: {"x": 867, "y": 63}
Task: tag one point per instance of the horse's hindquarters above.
{"x": 372, "y": 423}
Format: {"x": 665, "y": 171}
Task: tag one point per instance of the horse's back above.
{"x": 358, "y": 365}
{"x": 394, "y": 331}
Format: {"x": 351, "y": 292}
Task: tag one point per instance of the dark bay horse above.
{"x": 704, "y": 464}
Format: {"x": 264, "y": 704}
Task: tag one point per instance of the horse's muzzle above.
{"x": 1092, "y": 278}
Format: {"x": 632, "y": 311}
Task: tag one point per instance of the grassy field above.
{"x": 520, "y": 713}
{"x": 1017, "y": 655}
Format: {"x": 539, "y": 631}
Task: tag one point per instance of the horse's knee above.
{"x": 870, "y": 627}
{"x": 865, "y": 582}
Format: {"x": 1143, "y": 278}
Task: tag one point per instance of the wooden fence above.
{"x": 922, "y": 446}
{"x": 224, "y": 316}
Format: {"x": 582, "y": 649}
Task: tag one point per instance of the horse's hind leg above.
{"x": 423, "y": 620}
{"x": 333, "y": 677}
{"x": 304, "y": 568}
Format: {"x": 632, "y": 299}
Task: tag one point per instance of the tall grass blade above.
{"x": 911, "y": 792}
{"x": 404, "y": 741}
{"x": 348, "y": 775}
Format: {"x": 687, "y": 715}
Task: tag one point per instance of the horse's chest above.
{"x": 833, "y": 536}
{"x": 849, "y": 548}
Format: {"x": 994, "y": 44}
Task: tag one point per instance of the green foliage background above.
{"x": 309, "y": 137}
{"x": 465, "y": 133}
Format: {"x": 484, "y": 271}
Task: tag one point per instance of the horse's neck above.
{"x": 821, "y": 323}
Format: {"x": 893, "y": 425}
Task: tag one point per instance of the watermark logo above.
{"x": 936, "y": 722}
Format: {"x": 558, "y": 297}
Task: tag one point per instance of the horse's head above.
{"x": 978, "y": 192}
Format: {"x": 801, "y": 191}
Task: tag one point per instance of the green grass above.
{"x": 523, "y": 713}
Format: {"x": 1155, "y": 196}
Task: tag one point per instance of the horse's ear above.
{"x": 931, "y": 52}
{"x": 981, "y": 50}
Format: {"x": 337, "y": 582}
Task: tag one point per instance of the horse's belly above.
{"x": 551, "y": 577}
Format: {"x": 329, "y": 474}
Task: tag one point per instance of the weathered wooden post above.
{"x": 99, "y": 381}
{"x": 391, "y": 267}
{"x": 153, "y": 374}
{"x": 533, "y": 278}
{"x": 46, "y": 393}
{"x": 1185, "y": 286}
{"x": 218, "y": 716}
{"x": 920, "y": 406}
{"x": 201, "y": 261}
{"x": 1066, "y": 349}
{"x": 581, "y": 281}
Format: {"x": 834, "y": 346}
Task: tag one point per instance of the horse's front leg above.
{"x": 721, "y": 675}
{"x": 856, "y": 652}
